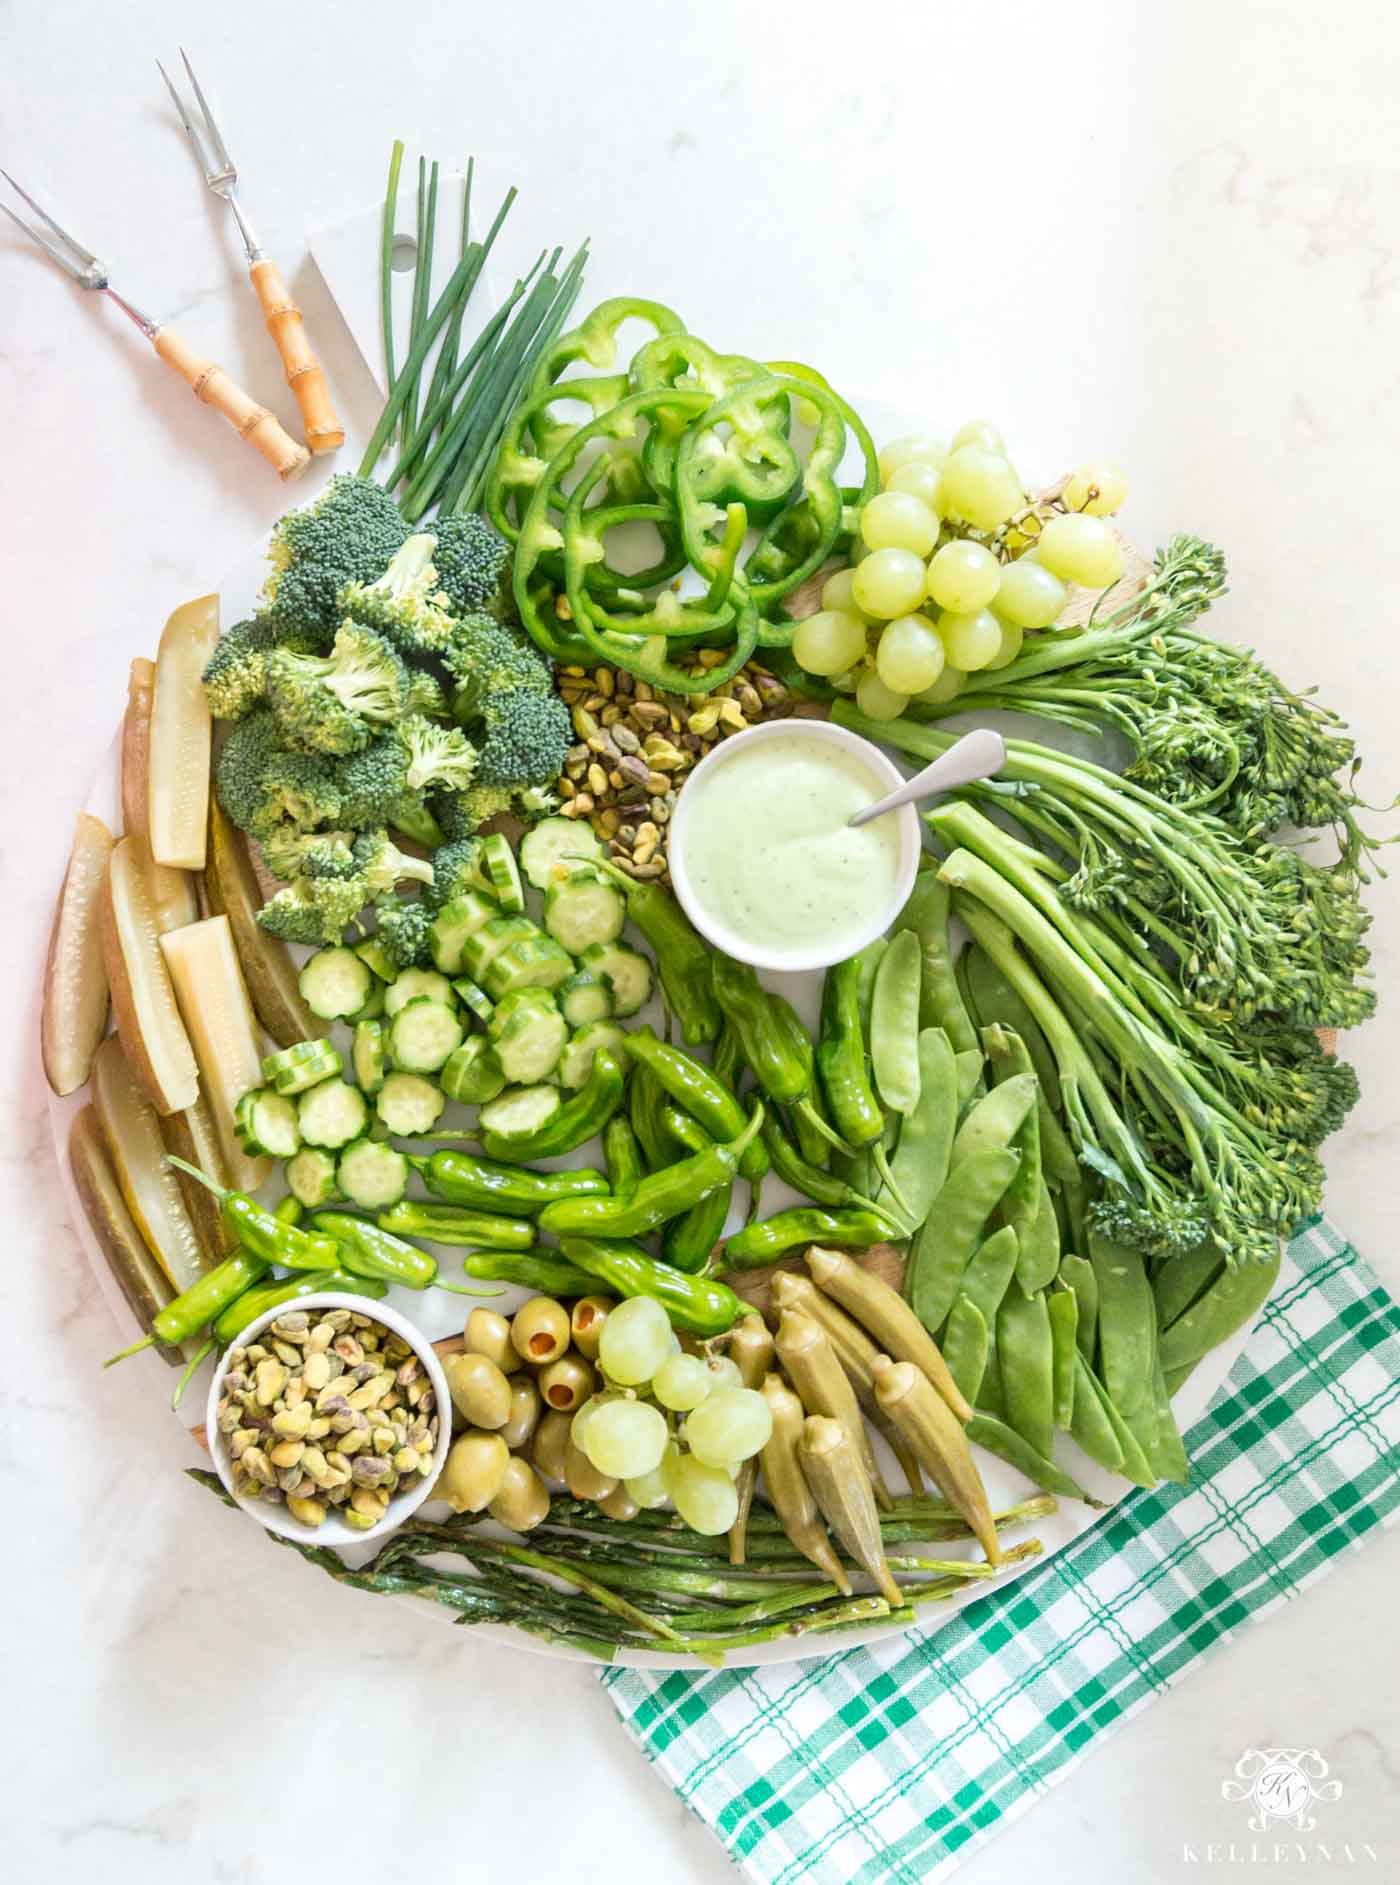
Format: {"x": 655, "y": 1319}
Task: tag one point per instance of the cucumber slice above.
{"x": 520, "y": 1111}
{"x": 368, "y": 1055}
{"x": 332, "y": 1114}
{"x": 554, "y": 847}
{"x": 376, "y": 959}
{"x": 266, "y": 1124}
{"x": 416, "y": 985}
{"x": 586, "y": 996}
{"x": 486, "y": 943}
{"x": 584, "y": 910}
{"x": 532, "y": 962}
{"x": 306, "y": 1064}
{"x": 372, "y": 1175}
{"x": 576, "y": 1061}
{"x": 473, "y": 1073}
{"x": 374, "y": 1007}
{"x": 472, "y": 996}
{"x": 496, "y": 860}
{"x": 407, "y": 1103}
{"x": 424, "y": 1035}
{"x": 310, "y": 1177}
{"x": 334, "y": 984}
{"x": 628, "y": 974}
{"x": 528, "y": 1033}
{"x": 454, "y": 923}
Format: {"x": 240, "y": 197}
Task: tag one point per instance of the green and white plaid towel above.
{"x": 891, "y": 1764}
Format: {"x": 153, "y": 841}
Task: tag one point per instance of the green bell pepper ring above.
{"x": 662, "y": 1195}
{"x": 760, "y": 1244}
{"x": 460, "y": 1178}
{"x": 257, "y": 1301}
{"x": 455, "y": 1224}
{"x": 699, "y": 1091}
{"x": 262, "y": 1232}
{"x": 683, "y": 959}
{"x": 372, "y": 1250}
{"x": 578, "y": 1120}
{"x": 698, "y": 1304}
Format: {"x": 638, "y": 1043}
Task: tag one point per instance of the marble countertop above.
{"x": 1163, "y": 234}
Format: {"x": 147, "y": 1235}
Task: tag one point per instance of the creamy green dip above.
{"x": 770, "y": 855}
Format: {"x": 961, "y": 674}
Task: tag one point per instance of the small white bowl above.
{"x": 333, "y": 1530}
{"x": 818, "y": 955}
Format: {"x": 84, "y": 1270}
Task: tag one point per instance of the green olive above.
{"x": 525, "y": 1407}
{"x": 586, "y": 1322}
{"x": 489, "y": 1334}
{"x": 582, "y": 1477}
{"x": 480, "y": 1392}
{"x": 522, "y": 1502}
{"x": 540, "y": 1330}
{"x": 619, "y": 1504}
{"x": 567, "y": 1383}
{"x": 475, "y": 1471}
{"x": 550, "y": 1444}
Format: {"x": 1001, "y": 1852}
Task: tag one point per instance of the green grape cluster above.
{"x": 954, "y": 567}
{"x": 672, "y": 1427}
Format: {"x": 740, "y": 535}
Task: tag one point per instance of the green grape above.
{"x": 1029, "y": 595}
{"x": 917, "y": 478}
{"x": 946, "y": 687}
{"x": 980, "y": 487}
{"x": 1081, "y": 549}
{"x": 587, "y": 1411}
{"x": 724, "y": 1372}
{"x": 635, "y": 1341}
{"x": 895, "y": 521}
{"x": 1011, "y": 638}
{"x": 910, "y": 656}
{"x": 971, "y": 641}
{"x": 653, "y": 1488}
{"x": 1097, "y": 488}
{"x": 979, "y": 432}
{"x": 963, "y": 576}
{"x": 877, "y": 700}
{"x": 732, "y": 1424}
{"x": 914, "y": 448}
{"x": 837, "y": 593}
{"x": 704, "y": 1496}
{"x": 827, "y": 643}
{"x": 888, "y": 583}
{"x": 682, "y": 1383}
{"x": 626, "y": 1438}
{"x": 846, "y": 683}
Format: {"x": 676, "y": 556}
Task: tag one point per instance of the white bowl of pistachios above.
{"x": 329, "y": 1419}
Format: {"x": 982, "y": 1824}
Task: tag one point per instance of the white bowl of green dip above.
{"x": 762, "y": 855}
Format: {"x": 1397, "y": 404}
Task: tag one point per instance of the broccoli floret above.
{"x": 381, "y": 865}
{"x": 527, "y": 736}
{"x": 453, "y": 812}
{"x": 291, "y": 853}
{"x": 485, "y": 658}
{"x": 473, "y": 566}
{"x": 439, "y": 757}
{"x": 348, "y": 535}
{"x": 266, "y": 790}
{"x": 481, "y": 802}
{"x": 313, "y": 910}
{"x": 402, "y": 925}
{"x": 243, "y": 757}
{"x": 372, "y": 782}
{"x": 323, "y": 704}
{"x": 233, "y": 680}
{"x": 425, "y": 695}
{"x": 404, "y": 603}
{"x": 456, "y": 867}
{"x": 537, "y": 801}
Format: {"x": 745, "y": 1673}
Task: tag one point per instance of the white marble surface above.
{"x": 1168, "y": 234}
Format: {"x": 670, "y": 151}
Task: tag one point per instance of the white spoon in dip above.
{"x": 977, "y": 755}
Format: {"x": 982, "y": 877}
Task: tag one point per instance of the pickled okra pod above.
{"x": 832, "y": 1467}
{"x": 883, "y": 1313}
{"x": 788, "y": 1491}
{"x": 809, "y": 1360}
{"x": 925, "y": 1420}
{"x": 751, "y": 1351}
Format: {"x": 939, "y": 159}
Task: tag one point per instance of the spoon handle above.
{"x": 977, "y": 755}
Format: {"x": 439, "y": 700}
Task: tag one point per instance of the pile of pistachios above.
{"x": 334, "y": 1411}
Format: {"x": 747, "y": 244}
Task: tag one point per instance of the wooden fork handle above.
{"x": 251, "y": 421}
{"x": 324, "y": 432}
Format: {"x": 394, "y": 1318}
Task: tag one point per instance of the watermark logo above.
{"x": 1282, "y": 1785}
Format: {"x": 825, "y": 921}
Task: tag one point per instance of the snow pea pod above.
{"x": 988, "y": 1276}
{"x": 1127, "y": 1324}
{"x": 894, "y": 1023}
{"x": 1007, "y": 1055}
{"x": 1063, "y": 1309}
{"x": 1134, "y": 1464}
{"x": 772, "y": 1237}
{"x": 940, "y": 1252}
{"x": 1160, "y": 1434}
{"x": 995, "y": 1120}
{"x": 1178, "y": 1281}
{"x": 659, "y": 1196}
{"x": 921, "y": 1160}
{"x": 699, "y": 1091}
{"x": 460, "y": 1178}
{"x": 986, "y": 1430}
{"x": 1090, "y": 1425}
{"x": 573, "y": 1124}
{"x": 699, "y": 1304}
{"x": 867, "y": 966}
{"x": 1231, "y": 1302}
{"x": 966, "y": 1340}
{"x": 1038, "y": 1254}
{"x": 1077, "y": 1273}
{"x": 925, "y": 915}
{"x": 1026, "y": 1351}
{"x": 997, "y": 1003}
{"x": 969, "y": 1062}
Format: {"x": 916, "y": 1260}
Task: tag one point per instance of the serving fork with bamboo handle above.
{"x": 208, "y": 382}
{"x": 324, "y": 432}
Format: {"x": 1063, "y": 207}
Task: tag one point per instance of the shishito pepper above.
{"x": 841, "y": 1063}
{"x": 683, "y": 958}
{"x": 257, "y": 1301}
{"x": 367, "y": 1250}
{"x": 573, "y": 1124}
{"x": 698, "y": 1304}
{"x": 456, "y": 1224}
{"x": 775, "y": 1044}
{"x": 261, "y": 1232}
{"x": 699, "y": 1091}
{"x": 460, "y": 1178}
{"x": 195, "y": 1308}
{"x": 662, "y": 1195}
{"x": 772, "y": 1237}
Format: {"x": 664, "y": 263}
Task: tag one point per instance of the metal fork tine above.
{"x": 88, "y": 258}
{"x": 220, "y": 148}
{"x": 176, "y": 100}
